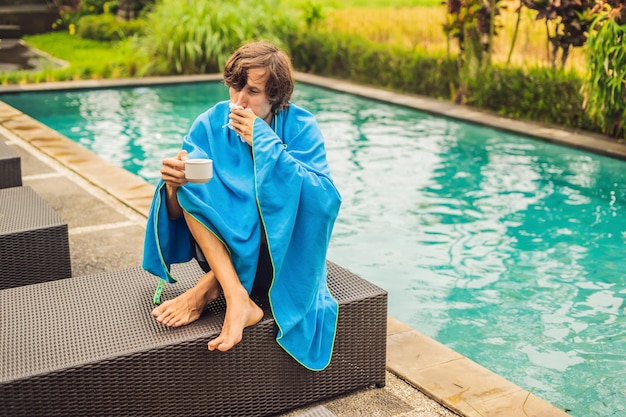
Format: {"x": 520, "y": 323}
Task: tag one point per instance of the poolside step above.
{"x": 10, "y": 31}
{"x": 31, "y": 17}
{"x": 34, "y": 243}
{"x": 89, "y": 346}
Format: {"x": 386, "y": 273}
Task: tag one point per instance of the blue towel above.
{"x": 282, "y": 181}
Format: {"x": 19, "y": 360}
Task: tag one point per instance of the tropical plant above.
{"x": 473, "y": 24}
{"x": 605, "y": 86}
{"x": 107, "y": 27}
{"x": 197, "y": 36}
{"x": 572, "y": 20}
{"x": 314, "y": 14}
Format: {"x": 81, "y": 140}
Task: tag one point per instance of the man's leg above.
{"x": 241, "y": 311}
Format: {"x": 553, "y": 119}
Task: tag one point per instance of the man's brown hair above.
{"x": 262, "y": 54}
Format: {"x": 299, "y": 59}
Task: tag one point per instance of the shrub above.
{"x": 540, "y": 94}
{"x": 605, "y": 86}
{"x": 106, "y": 27}
{"x": 360, "y": 60}
{"x": 198, "y": 36}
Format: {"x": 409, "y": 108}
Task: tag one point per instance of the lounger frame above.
{"x": 34, "y": 242}
{"x": 88, "y": 346}
{"x": 10, "y": 167}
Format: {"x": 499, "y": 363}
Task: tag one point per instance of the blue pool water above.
{"x": 508, "y": 250}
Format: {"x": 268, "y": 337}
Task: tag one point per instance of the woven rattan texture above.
{"x": 34, "y": 244}
{"x": 10, "y": 167}
{"x": 88, "y": 346}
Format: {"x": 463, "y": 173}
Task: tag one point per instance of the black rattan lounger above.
{"x": 34, "y": 244}
{"x": 10, "y": 167}
{"x": 88, "y": 346}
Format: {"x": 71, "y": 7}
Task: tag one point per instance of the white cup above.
{"x": 198, "y": 170}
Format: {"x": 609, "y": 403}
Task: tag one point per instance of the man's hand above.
{"x": 173, "y": 170}
{"x": 173, "y": 173}
{"x": 242, "y": 122}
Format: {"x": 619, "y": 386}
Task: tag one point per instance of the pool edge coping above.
{"x": 578, "y": 139}
{"x": 442, "y": 374}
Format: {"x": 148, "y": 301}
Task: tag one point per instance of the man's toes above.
{"x": 156, "y": 312}
{"x": 166, "y": 318}
{"x": 213, "y": 344}
{"x": 223, "y": 347}
{"x": 163, "y": 317}
{"x": 176, "y": 323}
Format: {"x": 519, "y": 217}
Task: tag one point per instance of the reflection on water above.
{"x": 508, "y": 250}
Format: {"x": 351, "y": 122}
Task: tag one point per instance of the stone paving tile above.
{"x": 521, "y": 403}
{"x": 29, "y": 164}
{"x": 411, "y": 352}
{"x": 396, "y": 399}
{"x": 381, "y": 402}
{"x": 461, "y": 381}
{"x": 100, "y": 250}
{"x": 69, "y": 201}
{"x": 455, "y": 381}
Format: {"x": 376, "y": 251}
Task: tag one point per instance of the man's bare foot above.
{"x": 187, "y": 307}
{"x": 240, "y": 313}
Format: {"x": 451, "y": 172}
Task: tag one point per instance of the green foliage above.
{"x": 360, "y": 60}
{"x": 97, "y": 6}
{"x": 72, "y": 10}
{"x": 349, "y": 4}
{"x": 106, "y": 27}
{"x": 472, "y": 24}
{"x": 539, "y": 94}
{"x": 198, "y": 36}
{"x": 572, "y": 20}
{"x": 314, "y": 14}
{"x": 605, "y": 86}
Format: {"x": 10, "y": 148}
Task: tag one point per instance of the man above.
{"x": 267, "y": 213}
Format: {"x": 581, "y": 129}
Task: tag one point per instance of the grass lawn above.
{"x": 86, "y": 58}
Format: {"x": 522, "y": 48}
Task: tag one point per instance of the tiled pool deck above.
{"x": 106, "y": 208}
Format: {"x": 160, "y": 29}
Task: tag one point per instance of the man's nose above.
{"x": 242, "y": 99}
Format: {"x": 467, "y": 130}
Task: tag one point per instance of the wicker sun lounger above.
{"x": 34, "y": 245}
{"x": 10, "y": 167}
{"x": 88, "y": 346}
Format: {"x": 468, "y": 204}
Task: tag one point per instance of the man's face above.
{"x": 253, "y": 95}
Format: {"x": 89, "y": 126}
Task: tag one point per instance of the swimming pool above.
{"x": 504, "y": 248}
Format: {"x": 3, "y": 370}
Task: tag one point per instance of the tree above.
{"x": 572, "y": 21}
{"x": 473, "y": 24}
